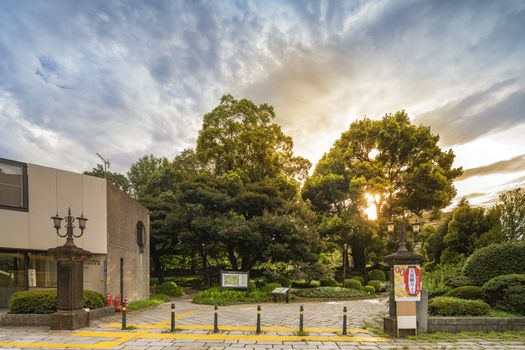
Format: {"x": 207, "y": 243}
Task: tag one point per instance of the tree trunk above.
{"x": 159, "y": 270}
{"x": 359, "y": 257}
{"x": 233, "y": 259}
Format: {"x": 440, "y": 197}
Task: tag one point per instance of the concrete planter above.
{"x": 480, "y": 324}
{"x": 45, "y": 320}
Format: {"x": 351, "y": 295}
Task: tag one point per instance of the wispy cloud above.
{"x": 512, "y": 165}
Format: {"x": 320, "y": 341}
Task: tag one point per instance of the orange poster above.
{"x": 407, "y": 282}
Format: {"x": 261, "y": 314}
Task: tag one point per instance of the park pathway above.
{"x": 150, "y": 330}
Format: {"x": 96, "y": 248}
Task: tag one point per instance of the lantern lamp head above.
{"x": 82, "y": 222}
{"x": 390, "y": 226}
{"x": 57, "y": 221}
{"x": 416, "y": 226}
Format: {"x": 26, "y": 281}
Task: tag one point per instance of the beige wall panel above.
{"x": 95, "y": 209}
{"x": 42, "y": 194}
{"x": 94, "y": 276}
{"x": 14, "y": 229}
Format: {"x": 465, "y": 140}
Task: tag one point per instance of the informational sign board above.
{"x": 234, "y": 279}
{"x": 31, "y": 277}
{"x": 407, "y": 282}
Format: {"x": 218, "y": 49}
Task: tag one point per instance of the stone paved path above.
{"x": 237, "y": 326}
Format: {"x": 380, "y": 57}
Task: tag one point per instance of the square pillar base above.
{"x": 390, "y": 328}
{"x": 69, "y": 319}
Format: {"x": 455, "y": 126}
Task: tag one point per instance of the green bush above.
{"x": 466, "y": 292}
{"x": 304, "y": 284}
{"x": 361, "y": 279}
{"x": 271, "y": 286}
{"x": 171, "y": 289}
{"x": 506, "y": 292}
{"x": 377, "y": 275}
{"x": 459, "y": 281}
{"x": 495, "y": 260}
{"x": 369, "y": 289}
{"x": 450, "y": 306}
{"x": 329, "y": 292}
{"x": 93, "y": 300}
{"x": 378, "y": 285}
{"x": 354, "y": 284}
{"x": 328, "y": 282}
{"x": 283, "y": 281}
{"x": 214, "y": 296}
{"x": 45, "y": 301}
{"x": 251, "y": 285}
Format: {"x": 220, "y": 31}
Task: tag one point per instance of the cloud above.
{"x": 512, "y": 165}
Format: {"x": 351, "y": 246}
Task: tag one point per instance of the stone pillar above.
{"x": 401, "y": 257}
{"x": 70, "y": 287}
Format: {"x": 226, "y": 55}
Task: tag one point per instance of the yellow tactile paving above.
{"x": 219, "y": 336}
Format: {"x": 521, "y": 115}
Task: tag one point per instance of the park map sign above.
{"x": 234, "y": 279}
{"x": 407, "y": 282}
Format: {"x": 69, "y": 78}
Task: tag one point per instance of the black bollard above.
{"x": 301, "y": 324}
{"x": 124, "y": 312}
{"x": 216, "y": 319}
{"x": 258, "y": 329}
{"x": 172, "y": 318}
{"x": 344, "y": 320}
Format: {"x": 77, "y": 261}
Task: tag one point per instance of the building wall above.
{"x": 51, "y": 191}
{"x": 94, "y": 274}
{"x": 123, "y": 215}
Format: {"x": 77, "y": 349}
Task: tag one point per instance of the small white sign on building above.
{"x": 31, "y": 277}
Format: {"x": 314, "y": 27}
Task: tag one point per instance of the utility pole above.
{"x": 106, "y": 164}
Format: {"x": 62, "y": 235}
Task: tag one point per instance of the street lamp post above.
{"x": 403, "y": 256}
{"x": 70, "y": 275}
{"x": 345, "y": 255}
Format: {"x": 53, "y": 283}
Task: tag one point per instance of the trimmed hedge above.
{"x": 170, "y": 289}
{"x": 329, "y": 292}
{"x": 378, "y": 285}
{"x": 459, "y": 281}
{"x": 450, "y": 306}
{"x": 45, "y": 301}
{"x": 354, "y": 284}
{"x": 270, "y": 287}
{"x": 359, "y": 278}
{"x": 466, "y": 292}
{"x": 377, "y": 275}
{"x": 328, "y": 282}
{"x": 369, "y": 289}
{"x": 506, "y": 292}
{"x": 495, "y": 260}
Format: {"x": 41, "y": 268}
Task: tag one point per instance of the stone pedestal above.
{"x": 401, "y": 257}
{"x": 70, "y": 288}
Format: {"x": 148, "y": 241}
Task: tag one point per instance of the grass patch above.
{"x": 155, "y": 300}
{"x": 329, "y": 292}
{"x": 214, "y": 296}
{"x": 509, "y": 335}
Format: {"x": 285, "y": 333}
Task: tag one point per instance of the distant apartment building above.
{"x": 117, "y": 231}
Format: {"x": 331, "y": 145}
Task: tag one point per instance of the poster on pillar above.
{"x": 407, "y": 282}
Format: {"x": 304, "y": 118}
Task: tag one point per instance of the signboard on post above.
{"x": 234, "y": 279}
{"x": 407, "y": 282}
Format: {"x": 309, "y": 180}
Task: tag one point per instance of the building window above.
{"x": 13, "y": 185}
{"x": 12, "y": 275}
{"x": 141, "y": 236}
{"x": 42, "y": 270}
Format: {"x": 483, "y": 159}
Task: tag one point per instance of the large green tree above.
{"x": 513, "y": 214}
{"x": 400, "y": 165}
{"x": 118, "y": 180}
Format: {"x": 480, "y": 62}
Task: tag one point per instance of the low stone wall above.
{"x": 481, "y": 324}
{"x": 45, "y": 320}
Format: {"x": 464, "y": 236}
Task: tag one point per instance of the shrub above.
{"x": 283, "y": 281}
{"x": 466, "y": 292}
{"x": 377, "y": 275}
{"x": 271, "y": 286}
{"x": 378, "y": 285}
{"x": 495, "y": 260}
{"x": 33, "y": 302}
{"x": 93, "y": 300}
{"x": 369, "y": 289}
{"x": 450, "y": 306}
{"x": 506, "y": 292}
{"x": 354, "y": 284}
{"x": 214, "y": 296}
{"x": 459, "y": 281}
{"x": 361, "y": 279}
{"x": 329, "y": 292}
{"x": 171, "y": 289}
{"x": 328, "y": 282}
{"x": 45, "y": 301}
{"x": 251, "y": 285}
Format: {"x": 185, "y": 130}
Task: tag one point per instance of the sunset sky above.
{"x": 129, "y": 78}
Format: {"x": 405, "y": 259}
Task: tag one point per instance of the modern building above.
{"x": 117, "y": 231}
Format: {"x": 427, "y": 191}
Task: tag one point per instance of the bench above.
{"x": 281, "y": 291}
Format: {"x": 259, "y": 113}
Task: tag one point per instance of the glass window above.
{"x": 42, "y": 270}
{"x": 13, "y": 188}
{"x": 12, "y": 275}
